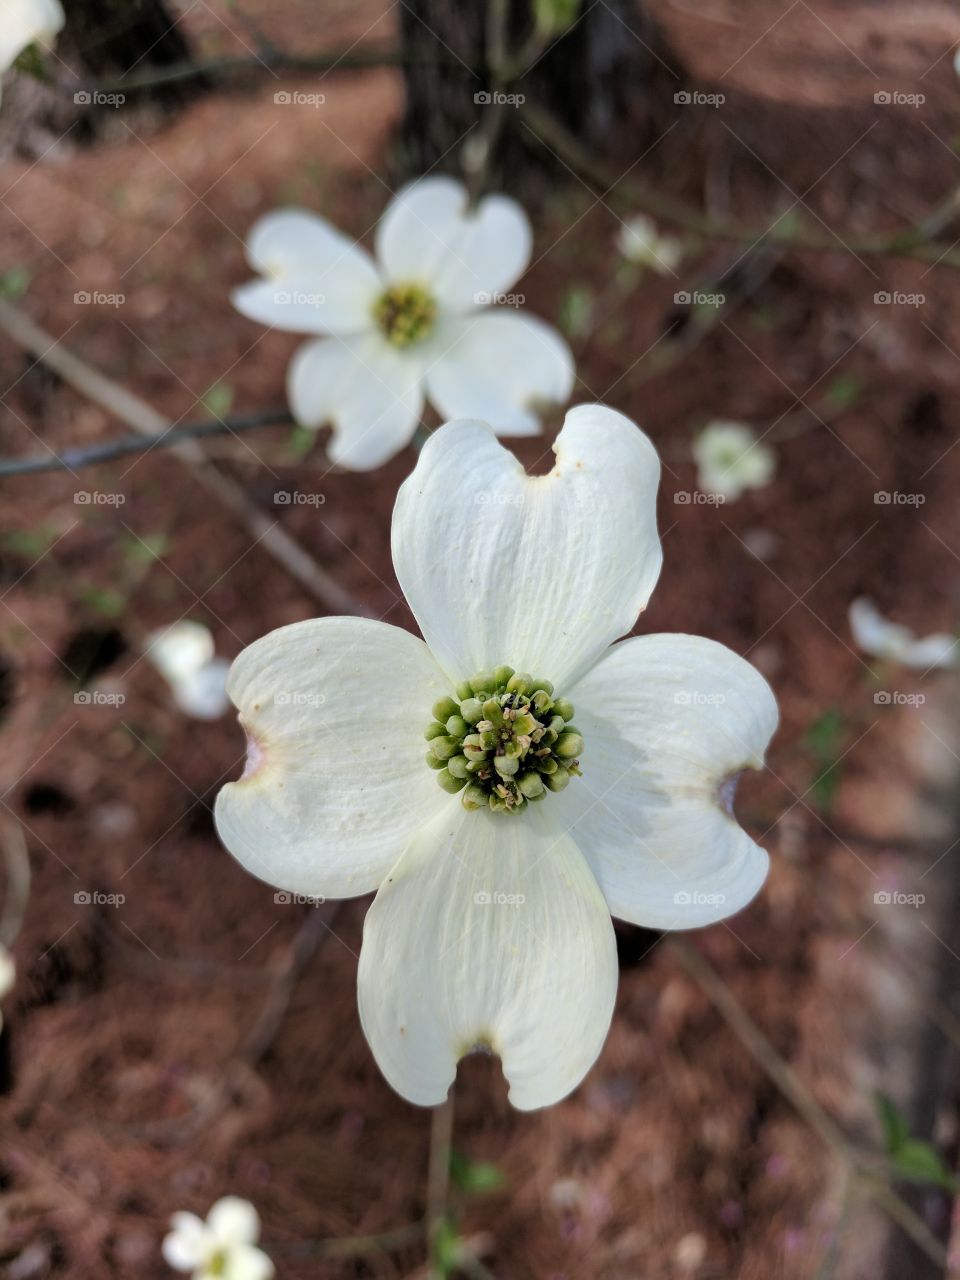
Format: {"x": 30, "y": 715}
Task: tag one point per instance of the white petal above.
{"x": 24, "y": 21}
{"x": 489, "y": 931}
{"x": 498, "y": 366}
{"x": 234, "y": 1221}
{"x": 180, "y": 650}
{"x": 875, "y": 634}
{"x": 203, "y": 694}
{"x": 336, "y": 780}
{"x": 317, "y": 279}
{"x": 188, "y": 1245}
{"x": 369, "y": 392}
{"x": 539, "y": 572}
{"x": 248, "y": 1263}
{"x": 8, "y": 972}
{"x": 429, "y": 236}
{"x": 668, "y": 722}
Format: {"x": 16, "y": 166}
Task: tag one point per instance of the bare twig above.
{"x": 17, "y": 891}
{"x": 145, "y": 420}
{"x": 915, "y": 242}
{"x": 797, "y": 1093}
{"x": 80, "y": 456}
{"x": 438, "y": 1176}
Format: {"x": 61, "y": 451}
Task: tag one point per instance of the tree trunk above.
{"x": 611, "y": 77}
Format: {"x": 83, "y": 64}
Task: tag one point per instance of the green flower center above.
{"x": 406, "y": 314}
{"x": 504, "y": 741}
{"x": 217, "y": 1266}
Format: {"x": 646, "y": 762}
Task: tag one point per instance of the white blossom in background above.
{"x": 503, "y": 812}
{"x": 25, "y": 22}
{"x": 877, "y": 635}
{"x": 956, "y": 61}
{"x": 8, "y": 976}
{"x": 730, "y": 459}
{"x": 184, "y": 655}
{"x": 640, "y": 242}
{"x": 421, "y": 322}
{"x": 224, "y": 1247}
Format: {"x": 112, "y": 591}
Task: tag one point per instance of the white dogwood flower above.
{"x": 877, "y": 635}
{"x": 8, "y": 976}
{"x": 640, "y": 242}
{"x": 222, "y": 1248}
{"x": 415, "y": 324}
{"x": 491, "y": 925}
{"x": 730, "y": 459}
{"x": 184, "y": 655}
{"x": 26, "y": 22}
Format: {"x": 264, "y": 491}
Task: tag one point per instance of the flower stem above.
{"x": 438, "y": 1180}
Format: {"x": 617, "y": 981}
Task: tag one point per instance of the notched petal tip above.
{"x": 256, "y": 754}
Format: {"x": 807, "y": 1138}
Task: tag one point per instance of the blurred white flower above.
{"x": 875, "y": 634}
{"x": 223, "y": 1247}
{"x": 491, "y": 925}
{"x": 8, "y": 976}
{"x": 415, "y": 324}
{"x": 24, "y": 22}
{"x": 730, "y": 459}
{"x": 640, "y": 241}
{"x": 184, "y": 655}
{"x": 956, "y": 61}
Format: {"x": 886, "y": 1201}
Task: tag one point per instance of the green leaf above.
{"x": 843, "y": 392}
{"x": 300, "y": 441}
{"x": 218, "y": 399}
{"x": 918, "y": 1161}
{"x": 823, "y": 741}
{"x": 103, "y": 600}
{"x": 576, "y": 311}
{"x": 475, "y": 1177}
{"x": 554, "y": 16}
{"x": 446, "y": 1248}
{"x": 14, "y": 283}
{"x": 145, "y": 550}
{"x": 892, "y": 1122}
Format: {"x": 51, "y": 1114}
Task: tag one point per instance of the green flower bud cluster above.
{"x": 503, "y": 742}
{"x": 406, "y": 314}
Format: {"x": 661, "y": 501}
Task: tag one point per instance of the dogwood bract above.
{"x": 23, "y": 22}
{"x": 640, "y": 242}
{"x": 514, "y": 777}
{"x": 416, "y": 323}
{"x": 730, "y": 459}
{"x": 8, "y": 976}
{"x": 223, "y": 1247}
{"x": 877, "y": 635}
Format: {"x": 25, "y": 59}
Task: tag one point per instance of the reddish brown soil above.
{"x": 131, "y": 1088}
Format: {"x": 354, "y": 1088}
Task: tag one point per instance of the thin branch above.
{"x": 268, "y": 60}
{"x": 915, "y": 242}
{"x": 145, "y": 420}
{"x": 438, "y": 1176}
{"x": 797, "y": 1093}
{"x": 80, "y": 456}
{"x": 17, "y": 892}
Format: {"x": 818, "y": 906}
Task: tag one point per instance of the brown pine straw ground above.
{"x": 155, "y": 1057}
